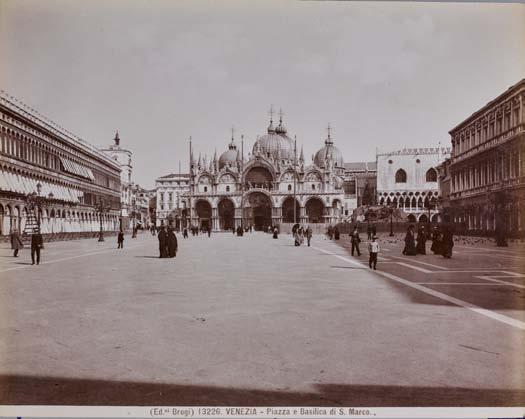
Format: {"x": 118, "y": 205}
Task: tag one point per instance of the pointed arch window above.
{"x": 431, "y": 175}
{"x": 401, "y": 176}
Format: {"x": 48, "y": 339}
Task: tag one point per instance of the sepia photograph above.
{"x": 337, "y": 189}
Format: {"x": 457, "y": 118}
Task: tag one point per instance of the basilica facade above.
{"x": 273, "y": 186}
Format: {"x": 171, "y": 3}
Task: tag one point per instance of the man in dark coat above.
{"x": 355, "y": 241}
{"x": 37, "y": 243}
{"x": 16, "y": 242}
{"x": 369, "y": 232}
{"x": 120, "y": 240}
{"x": 209, "y": 231}
{"x": 275, "y": 232}
{"x": 330, "y": 232}
{"x": 185, "y": 233}
{"x": 172, "y": 243}
{"x": 374, "y": 230}
{"x": 447, "y": 243}
{"x": 436, "y": 241}
{"x": 410, "y": 244}
{"x": 163, "y": 242}
{"x": 421, "y": 241}
{"x": 336, "y": 233}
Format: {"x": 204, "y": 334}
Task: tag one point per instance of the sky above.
{"x": 384, "y": 75}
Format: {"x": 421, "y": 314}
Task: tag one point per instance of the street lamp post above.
{"x": 101, "y": 208}
{"x": 133, "y": 214}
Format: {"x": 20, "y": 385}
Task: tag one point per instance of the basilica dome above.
{"x": 275, "y": 144}
{"x": 328, "y": 151}
{"x": 229, "y": 157}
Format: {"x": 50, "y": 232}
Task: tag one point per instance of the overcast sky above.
{"x": 384, "y": 75}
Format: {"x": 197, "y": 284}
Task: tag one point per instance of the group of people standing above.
{"x": 168, "y": 244}
{"x": 333, "y": 233}
{"x": 37, "y": 244}
{"x": 299, "y": 234}
{"x": 442, "y": 241}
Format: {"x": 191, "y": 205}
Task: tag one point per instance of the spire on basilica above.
{"x": 199, "y": 162}
{"x": 301, "y": 156}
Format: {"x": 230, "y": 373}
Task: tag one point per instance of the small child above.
{"x": 373, "y": 249}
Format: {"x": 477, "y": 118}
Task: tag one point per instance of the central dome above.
{"x": 275, "y": 143}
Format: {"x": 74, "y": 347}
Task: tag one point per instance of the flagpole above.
{"x": 294, "y": 180}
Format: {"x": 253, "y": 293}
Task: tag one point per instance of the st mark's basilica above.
{"x": 273, "y": 186}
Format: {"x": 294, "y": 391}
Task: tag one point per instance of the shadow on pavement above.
{"x": 148, "y": 257}
{"x": 67, "y": 391}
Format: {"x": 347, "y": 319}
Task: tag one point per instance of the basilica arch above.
{"x": 288, "y": 210}
{"x": 226, "y": 210}
{"x": 257, "y": 210}
{"x": 204, "y": 213}
{"x": 315, "y": 210}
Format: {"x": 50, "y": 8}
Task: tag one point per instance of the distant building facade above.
{"x": 68, "y": 176}
{"x": 360, "y": 185}
{"x": 171, "y": 209}
{"x": 274, "y": 185}
{"x": 408, "y": 179}
{"x": 487, "y": 167}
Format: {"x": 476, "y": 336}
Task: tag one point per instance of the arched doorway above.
{"x": 257, "y": 208}
{"x": 226, "y": 214}
{"x": 203, "y": 209}
{"x": 315, "y": 210}
{"x": 288, "y": 210}
{"x": 411, "y": 218}
{"x": 259, "y": 177}
{"x": 423, "y": 218}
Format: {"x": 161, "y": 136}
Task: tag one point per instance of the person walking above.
{"x": 447, "y": 243}
{"x": 369, "y": 232}
{"x": 330, "y": 232}
{"x": 275, "y": 232}
{"x": 308, "y": 235}
{"x": 163, "y": 242}
{"x": 37, "y": 244}
{"x": 421, "y": 241}
{"x": 436, "y": 241}
{"x": 336, "y": 233}
{"x": 374, "y": 230}
{"x": 16, "y": 242}
{"x": 410, "y": 245}
{"x": 172, "y": 243}
{"x": 355, "y": 239}
{"x": 373, "y": 250}
{"x": 120, "y": 240}
{"x": 185, "y": 233}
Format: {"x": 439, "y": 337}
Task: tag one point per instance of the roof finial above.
{"x": 117, "y": 139}
{"x": 329, "y": 138}
{"x": 271, "y": 113}
{"x": 233, "y": 132}
{"x": 281, "y": 114}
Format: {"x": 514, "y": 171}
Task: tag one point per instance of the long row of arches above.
{"x": 15, "y": 215}
{"x": 258, "y": 211}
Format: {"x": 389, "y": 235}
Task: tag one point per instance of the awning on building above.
{"x": 12, "y": 182}
{"x": 76, "y": 169}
